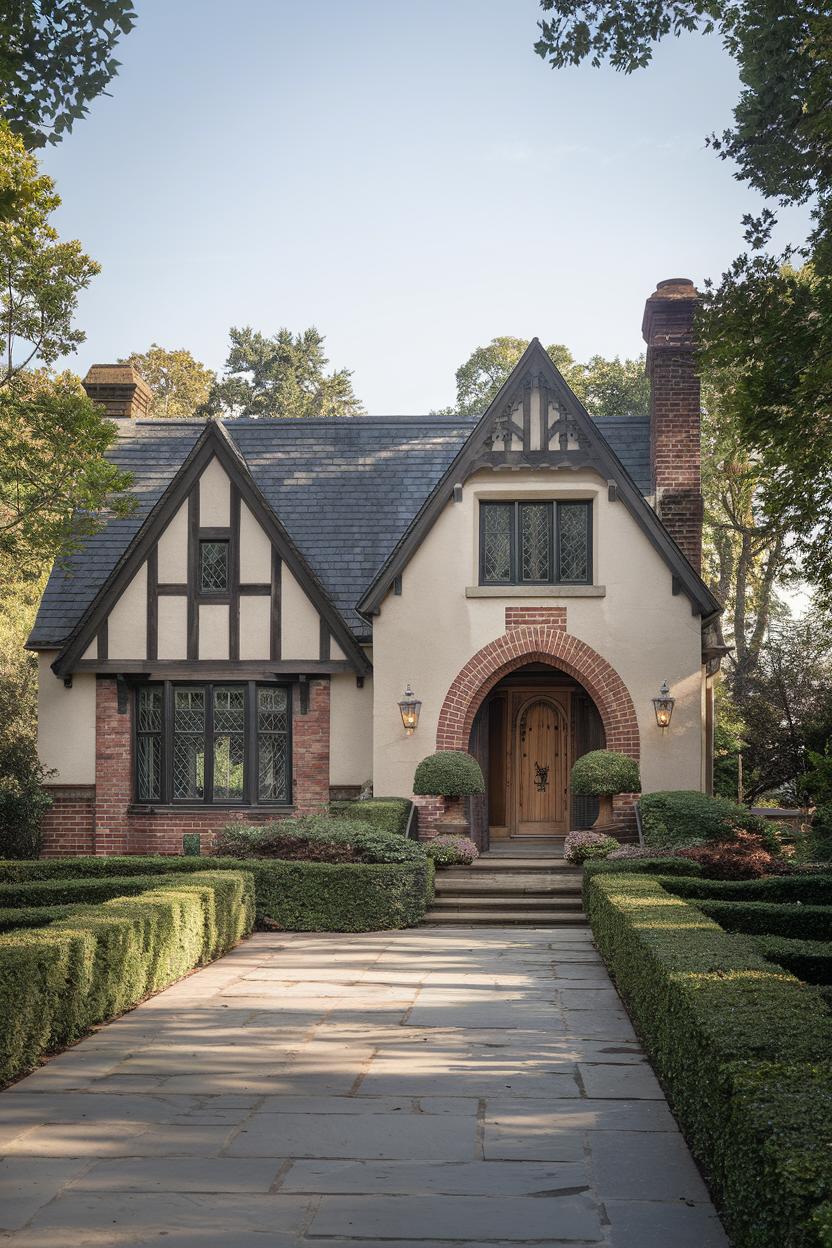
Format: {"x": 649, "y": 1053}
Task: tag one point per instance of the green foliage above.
{"x": 605, "y": 387}
{"x": 316, "y": 838}
{"x": 816, "y": 782}
{"x": 603, "y": 773}
{"x": 56, "y": 56}
{"x": 448, "y": 773}
{"x": 12, "y": 917}
{"x": 386, "y": 814}
{"x": 686, "y": 817}
{"x": 809, "y": 960}
{"x": 584, "y": 845}
{"x": 179, "y": 383}
{"x": 813, "y": 889}
{"x": 297, "y": 896}
{"x": 58, "y": 981}
{"x": 284, "y": 375}
{"x": 742, "y": 1048}
{"x": 816, "y": 844}
{"x": 636, "y": 866}
{"x": 771, "y": 918}
{"x": 452, "y": 851}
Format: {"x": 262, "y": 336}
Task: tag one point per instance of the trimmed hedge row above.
{"x": 57, "y": 981}
{"x": 811, "y": 889}
{"x": 809, "y": 960}
{"x": 385, "y": 814}
{"x": 32, "y": 916}
{"x": 742, "y": 1047}
{"x": 295, "y": 896}
{"x": 769, "y": 918}
{"x": 627, "y": 866}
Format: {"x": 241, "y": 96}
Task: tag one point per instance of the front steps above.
{"x": 501, "y": 890}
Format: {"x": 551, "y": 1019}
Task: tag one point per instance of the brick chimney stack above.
{"x": 119, "y": 389}
{"x": 675, "y": 415}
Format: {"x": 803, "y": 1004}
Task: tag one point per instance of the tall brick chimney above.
{"x": 119, "y": 389}
{"x": 675, "y": 416}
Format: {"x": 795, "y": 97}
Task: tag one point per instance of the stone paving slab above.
{"x": 456, "y": 1087}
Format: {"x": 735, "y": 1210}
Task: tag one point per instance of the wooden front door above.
{"x": 540, "y": 766}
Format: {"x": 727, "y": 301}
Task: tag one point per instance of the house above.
{"x": 240, "y": 643}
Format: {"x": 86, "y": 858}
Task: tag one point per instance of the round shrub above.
{"x": 581, "y": 846}
{"x": 448, "y": 773}
{"x": 687, "y": 817}
{"x": 452, "y": 851}
{"x": 315, "y": 838}
{"x": 603, "y": 773}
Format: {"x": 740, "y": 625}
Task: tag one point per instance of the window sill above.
{"x": 190, "y": 808}
{"x": 536, "y": 591}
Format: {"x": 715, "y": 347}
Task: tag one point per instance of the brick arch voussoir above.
{"x": 537, "y": 644}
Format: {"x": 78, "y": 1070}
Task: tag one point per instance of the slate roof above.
{"x": 346, "y": 491}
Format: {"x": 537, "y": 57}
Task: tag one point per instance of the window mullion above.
{"x": 250, "y": 745}
{"x": 167, "y": 742}
{"x": 208, "y": 785}
{"x": 515, "y": 546}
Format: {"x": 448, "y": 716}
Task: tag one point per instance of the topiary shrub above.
{"x": 448, "y": 773}
{"x": 386, "y": 814}
{"x": 687, "y": 817}
{"x": 581, "y": 846}
{"x": 451, "y": 851}
{"x": 602, "y": 774}
{"x": 315, "y": 838}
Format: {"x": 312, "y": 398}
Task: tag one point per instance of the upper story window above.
{"x": 536, "y": 543}
{"x": 213, "y": 567}
{"x": 217, "y": 743}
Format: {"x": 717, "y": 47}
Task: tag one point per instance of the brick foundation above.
{"x": 102, "y": 818}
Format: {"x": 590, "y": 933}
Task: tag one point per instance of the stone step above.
{"x": 532, "y": 902}
{"x": 506, "y": 918}
{"x": 486, "y": 886}
{"x": 535, "y": 865}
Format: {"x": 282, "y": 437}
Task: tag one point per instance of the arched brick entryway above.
{"x": 537, "y": 644}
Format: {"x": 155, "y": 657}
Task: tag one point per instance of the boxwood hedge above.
{"x": 809, "y": 960}
{"x": 386, "y": 814}
{"x": 57, "y": 981}
{"x": 742, "y": 1047}
{"x": 295, "y": 896}
{"x": 810, "y": 889}
{"x": 767, "y": 918}
{"x": 32, "y": 916}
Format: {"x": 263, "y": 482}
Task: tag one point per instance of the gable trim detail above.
{"x": 213, "y": 442}
{"x": 593, "y": 451}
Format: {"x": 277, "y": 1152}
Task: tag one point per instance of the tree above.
{"x": 606, "y": 387}
{"x": 180, "y": 384}
{"x": 54, "y": 479}
{"x": 768, "y": 322}
{"x": 55, "y": 57}
{"x": 284, "y": 375}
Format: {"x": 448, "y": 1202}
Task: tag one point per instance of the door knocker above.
{"x": 541, "y": 777}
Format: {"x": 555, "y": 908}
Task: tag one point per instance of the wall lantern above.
{"x": 410, "y": 706}
{"x": 663, "y": 706}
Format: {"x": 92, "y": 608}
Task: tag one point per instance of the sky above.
{"x": 407, "y": 175}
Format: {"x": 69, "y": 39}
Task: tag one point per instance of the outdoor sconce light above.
{"x": 663, "y": 706}
{"x": 410, "y": 706}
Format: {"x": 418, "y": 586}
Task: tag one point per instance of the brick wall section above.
{"x": 68, "y": 827}
{"x": 543, "y": 617}
{"x": 102, "y": 822}
{"x": 113, "y": 770}
{"x": 675, "y": 415}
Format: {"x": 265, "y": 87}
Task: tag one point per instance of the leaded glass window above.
{"x": 213, "y": 567}
{"x": 222, "y": 743}
{"x": 535, "y": 543}
{"x": 272, "y": 744}
{"x": 188, "y": 743}
{"x": 229, "y": 743}
{"x": 573, "y": 542}
{"x": 149, "y": 744}
{"x": 497, "y": 541}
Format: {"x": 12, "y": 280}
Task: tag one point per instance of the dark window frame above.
{"x": 515, "y": 558}
{"x": 251, "y": 737}
{"x": 213, "y": 592}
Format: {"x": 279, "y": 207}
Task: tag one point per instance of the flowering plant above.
{"x": 582, "y": 845}
{"x": 451, "y": 851}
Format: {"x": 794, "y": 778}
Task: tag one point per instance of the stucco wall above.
{"x": 173, "y": 550}
{"x": 66, "y": 724}
{"x": 429, "y": 633}
{"x": 127, "y": 622}
{"x": 351, "y": 730}
{"x": 300, "y": 623}
{"x": 172, "y": 639}
{"x": 255, "y": 551}
{"x": 214, "y": 497}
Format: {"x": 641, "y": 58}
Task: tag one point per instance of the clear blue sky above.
{"x": 405, "y": 174}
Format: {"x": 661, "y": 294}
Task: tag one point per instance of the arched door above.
{"x": 541, "y": 769}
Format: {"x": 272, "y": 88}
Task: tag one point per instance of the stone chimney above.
{"x": 119, "y": 389}
{"x": 675, "y": 415}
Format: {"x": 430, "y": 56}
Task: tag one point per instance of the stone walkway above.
{"x": 462, "y": 1087}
